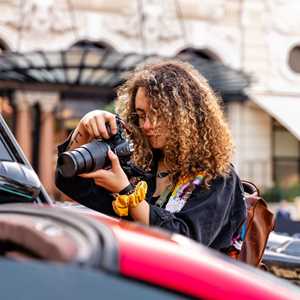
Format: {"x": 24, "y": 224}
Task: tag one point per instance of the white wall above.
{"x": 251, "y": 130}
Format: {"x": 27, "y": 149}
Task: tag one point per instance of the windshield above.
{"x": 292, "y": 248}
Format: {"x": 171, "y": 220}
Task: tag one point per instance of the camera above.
{"x": 94, "y": 155}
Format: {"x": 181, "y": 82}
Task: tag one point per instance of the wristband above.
{"x": 129, "y": 189}
{"x": 122, "y": 203}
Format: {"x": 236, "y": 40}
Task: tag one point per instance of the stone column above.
{"x": 23, "y": 122}
{"x": 48, "y": 102}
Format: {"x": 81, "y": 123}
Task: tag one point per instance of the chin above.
{"x": 156, "y": 146}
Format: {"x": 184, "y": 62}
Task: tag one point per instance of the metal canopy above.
{"x": 91, "y": 70}
{"x": 228, "y": 82}
{"x": 284, "y": 109}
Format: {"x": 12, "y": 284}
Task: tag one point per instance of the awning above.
{"x": 84, "y": 70}
{"x": 286, "y": 110}
{"x": 229, "y": 83}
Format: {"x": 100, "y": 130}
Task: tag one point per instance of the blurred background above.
{"x": 60, "y": 59}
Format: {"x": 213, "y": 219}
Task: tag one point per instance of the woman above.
{"x": 180, "y": 135}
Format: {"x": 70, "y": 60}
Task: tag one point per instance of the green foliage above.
{"x": 273, "y": 194}
{"x": 292, "y": 192}
{"x": 278, "y": 193}
{"x": 110, "y": 107}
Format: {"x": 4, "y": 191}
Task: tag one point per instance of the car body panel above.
{"x": 275, "y": 240}
{"x": 39, "y": 281}
{"x": 177, "y": 263}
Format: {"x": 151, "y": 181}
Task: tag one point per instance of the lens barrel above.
{"x": 93, "y": 156}
{"x": 84, "y": 159}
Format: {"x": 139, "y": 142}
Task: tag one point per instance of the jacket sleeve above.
{"x": 83, "y": 190}
{"x": 210, "y": 216}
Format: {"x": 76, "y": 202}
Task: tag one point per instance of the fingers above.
{"x": 111, "y": 119}
{"x": 102, "y": 173}
{"x": 94, "y": 128}
{"x": 102, "y": 128}
{"x": 88, "y": 128}
{"x": 96, "y": 174}
{"x": 115, "y": 163}
{"x": 95, "y": 124}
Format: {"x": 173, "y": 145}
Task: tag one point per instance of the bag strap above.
{"x": 250, "y": 188}
{"x": 260, "y": 222}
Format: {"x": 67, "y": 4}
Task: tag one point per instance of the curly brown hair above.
{"x": 198, "y": 137}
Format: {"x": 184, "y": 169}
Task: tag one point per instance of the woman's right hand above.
{"x": 93, "y": 123}
{"x": 91, "y": 126}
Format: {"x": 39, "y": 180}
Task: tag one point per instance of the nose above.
{"x": 147, "y": 124}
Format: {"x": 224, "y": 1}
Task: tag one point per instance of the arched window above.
{"x": 294, "y": 59}
{"x": 203, "y": 53}
{"x": 87, "y": 44}
{"x": 3, "y": 46}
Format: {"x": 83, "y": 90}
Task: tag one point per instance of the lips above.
{"x": 152, "y": 139}
{"x": 152, "y": 135}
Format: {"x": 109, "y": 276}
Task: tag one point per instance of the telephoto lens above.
{"x": 94, "y": 155}
{"x": 84, "y": 159}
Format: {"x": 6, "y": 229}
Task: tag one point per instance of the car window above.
{"x": 293, "y": 248}
{"x": 4, "y": 151}
{"x": 10, "y": 150}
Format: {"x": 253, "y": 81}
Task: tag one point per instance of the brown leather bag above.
{"x": 260, "y": 222}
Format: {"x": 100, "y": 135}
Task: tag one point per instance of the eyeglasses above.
{"x": 140, "y": 118}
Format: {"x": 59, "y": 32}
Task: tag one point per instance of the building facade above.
{"x": 259, "y": 37}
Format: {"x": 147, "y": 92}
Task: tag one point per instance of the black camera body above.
{"x": 93, "y": 156}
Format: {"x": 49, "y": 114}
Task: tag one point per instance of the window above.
{"x": 4, "y": 152}
{"x": 286, "y": 156}
{"x": 294, "y": 59}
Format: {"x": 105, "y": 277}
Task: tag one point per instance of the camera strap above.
{"x": 135, "y": 171}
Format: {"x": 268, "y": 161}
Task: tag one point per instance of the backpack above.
{"x": 259, "y": 223}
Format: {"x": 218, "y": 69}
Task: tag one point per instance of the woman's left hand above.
{"x": 114, "y": 179}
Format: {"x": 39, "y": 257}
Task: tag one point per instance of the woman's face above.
{"x": 155, "y": 135}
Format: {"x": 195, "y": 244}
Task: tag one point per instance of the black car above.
{"x": 19, "y": 182}
{"x": 282, "y": 256}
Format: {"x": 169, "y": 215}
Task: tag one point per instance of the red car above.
{"x": 76, "y": 253}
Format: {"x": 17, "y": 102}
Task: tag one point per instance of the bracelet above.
{"x": 127, "y": 190}
{"x": 123, "y": 202}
